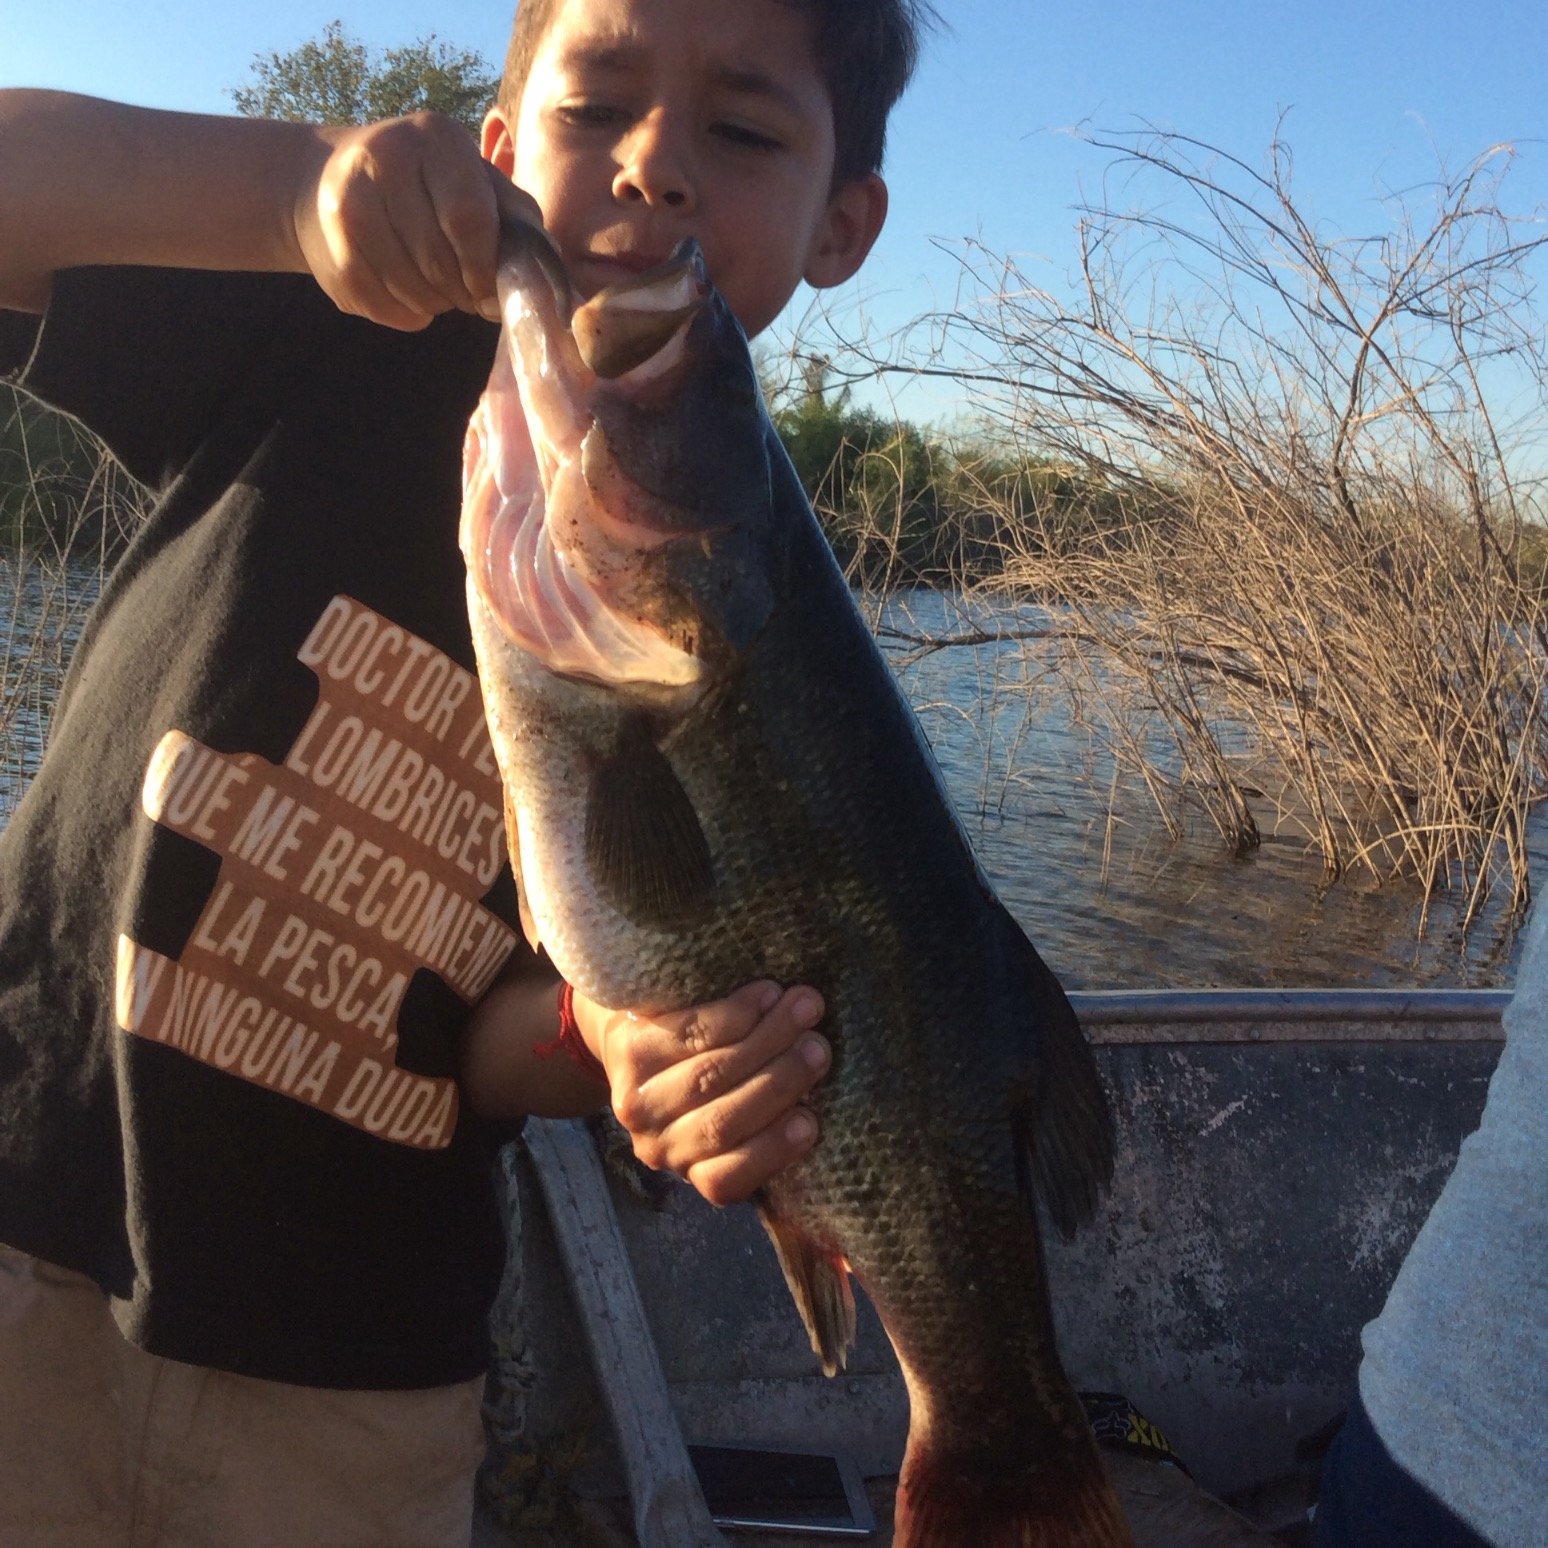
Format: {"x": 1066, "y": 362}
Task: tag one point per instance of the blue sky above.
{"x": 1373, "y": 91}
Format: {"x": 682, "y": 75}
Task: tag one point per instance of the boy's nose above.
{"x": 653, "y": 168}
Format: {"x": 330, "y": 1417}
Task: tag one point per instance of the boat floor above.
{"x": 1165, "y": 1509}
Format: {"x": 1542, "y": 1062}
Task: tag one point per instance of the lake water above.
{"x": 1110, "y": 902}
{"x": 1120, "y": 903}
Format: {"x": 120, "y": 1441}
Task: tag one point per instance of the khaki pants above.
{"x": 105, "y": 1446}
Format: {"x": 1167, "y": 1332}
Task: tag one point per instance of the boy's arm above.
{"x": 398, "y": 221}
{"x": 712, "y": 1093}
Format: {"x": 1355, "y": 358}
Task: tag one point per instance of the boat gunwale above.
{"x": 1181, "y": 1016}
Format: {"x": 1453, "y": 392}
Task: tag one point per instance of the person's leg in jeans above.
{"x": 1368, "y": 1501}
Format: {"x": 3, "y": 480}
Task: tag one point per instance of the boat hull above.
{"x": 1277, "y": 1153}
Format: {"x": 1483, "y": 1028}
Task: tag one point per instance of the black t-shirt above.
{"x": 250, "y": 896}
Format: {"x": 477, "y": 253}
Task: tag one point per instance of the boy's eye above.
{"x": 740, "y": 134}
{"x": 588, "y": 115}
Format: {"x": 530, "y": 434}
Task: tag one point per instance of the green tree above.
{"x": 335, "y": 79}
{"x": 874, "y": 481}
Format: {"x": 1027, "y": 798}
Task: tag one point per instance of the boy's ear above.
{"x": 496, "y": 143}
{"x": 850, "y": 226}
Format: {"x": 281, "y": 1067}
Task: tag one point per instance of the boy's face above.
{"x": 646, "y": 121}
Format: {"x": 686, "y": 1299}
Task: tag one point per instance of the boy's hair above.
{"x": 866, "y": 50}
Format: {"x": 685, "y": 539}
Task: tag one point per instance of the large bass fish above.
{"x": 711, "y": 777}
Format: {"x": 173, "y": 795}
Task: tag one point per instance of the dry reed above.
{"x": 1287, "y": 554}
{"x": 66, "y": 509}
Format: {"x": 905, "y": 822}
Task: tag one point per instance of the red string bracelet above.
{"x": 570, "y": 1039}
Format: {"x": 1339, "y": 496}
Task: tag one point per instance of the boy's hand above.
{"x": 400, "y": 220}
{"x": 713, "y": 1093}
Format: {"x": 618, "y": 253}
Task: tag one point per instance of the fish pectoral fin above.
{"x": 1065, "y": 1127}
{"x": 819, "y": 1283}
{"x": 513, "y": 844}
{"x": 644, "y": 845}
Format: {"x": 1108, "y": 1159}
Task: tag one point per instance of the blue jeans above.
{"x": 1369, "y": 1501}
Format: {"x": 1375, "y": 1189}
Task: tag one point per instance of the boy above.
{"x": 260, "y": 994}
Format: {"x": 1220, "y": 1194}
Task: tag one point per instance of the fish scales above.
{"x": 751, "y": 797}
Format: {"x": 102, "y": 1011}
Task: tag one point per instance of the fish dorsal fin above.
{"x": 1065, "y": 1126}
{"x": 819, "y": 1284}
{"x": 644, "y": 845}
{"x": 513, "y": 844}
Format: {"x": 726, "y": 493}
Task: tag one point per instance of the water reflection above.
{"x": 1110, "y": 903}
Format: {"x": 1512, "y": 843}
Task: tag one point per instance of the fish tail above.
{"x": 956, "y": 1501}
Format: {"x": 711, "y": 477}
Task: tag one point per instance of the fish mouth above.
{"x": 558, "y": 541}
{"x": 599, "y": 270}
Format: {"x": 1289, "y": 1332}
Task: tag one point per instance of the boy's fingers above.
{"x": 738, "y": 1174}
{"x": 418, "y": 260}
{"x": 364, "y": 265}
{"x": 743, "y": 1032}
{"x": 459, "y": 253}
{"x": 402, "y": 277}
{"x": 716, "y": 1083}
{"x": 434, "y": 266}
{"x": 657, "y": 1043}
{"x": 410, "y": 222}
{"x": 359, "y": 288}
{"x": 678, "y": 1137}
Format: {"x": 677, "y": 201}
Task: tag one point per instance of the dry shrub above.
{"x": 66, "y": 510}
{"x": 1297, "y": 548}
